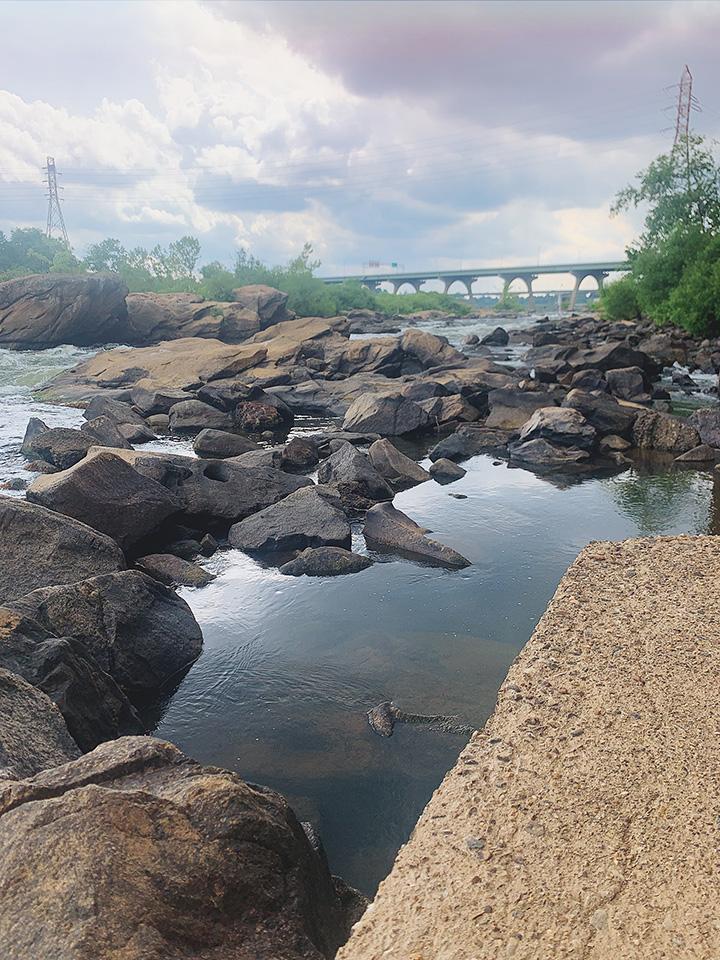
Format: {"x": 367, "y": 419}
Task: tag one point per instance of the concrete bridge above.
{"x": 527, "y": 275}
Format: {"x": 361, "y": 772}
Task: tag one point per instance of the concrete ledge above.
{"x": 584, "y": 820}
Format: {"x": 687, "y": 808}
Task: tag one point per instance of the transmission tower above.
{"x": 686, "y": 103}
{"x": 55, "y": 219}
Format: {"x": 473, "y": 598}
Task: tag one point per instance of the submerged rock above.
{"x": 389, "y": 528}
{"x": 446, "y": 471}
{"x": 325, "y": 562}
{"x": 174, "y": 571}
{"x": 307, "y": 518}
{"x": 542, "y": 453}
{"x": 42, "y": 548}
{"x": 135, "y": 845}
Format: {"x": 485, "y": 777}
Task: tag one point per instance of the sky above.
{"x": 431, "y": 134}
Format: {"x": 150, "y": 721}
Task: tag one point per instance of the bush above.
{"x": 405, "y": 303}
{"x": 619, "y": 300}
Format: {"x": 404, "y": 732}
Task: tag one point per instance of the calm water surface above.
{"x": 291, "y": 665}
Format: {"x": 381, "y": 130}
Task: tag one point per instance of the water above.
{"x": 291, "y": 665}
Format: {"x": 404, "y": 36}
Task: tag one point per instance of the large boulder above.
{"x": 387, "y": 528}
{"x": 190, "y": 416}
{"x": 138, "y": 630}
{"x": 61, "y": 446}
{"x": 354, "y": 477}
{"x": 310, "y": 517}
{"x": 174, "y": 571}
{"x": 559, "y": 425}
{"x": 541, "y": 453}
{"x": 444, "y": 410}
{"x": 510, "y": 406}
{"x": 446, "y": 471}
{"x": 157, "y": 317}
{"x": 395, "y": 467}
{"x": 658, "y": 431}
{"x": 41, "y": 548}
{"x": 428, "y": 350}
{"x": 499, "y": 337}
{"x": 707, "y": 423}
{"x": 107, "y": 494}
{"x": 390, "y": 415}
{"x": 299, "y": 454}
{"x": 136, "y": 851}
{"x": 219, "y": 444}
{"x": 46, "y": 310}
{"x": 611, "y": 355}
{"x": 104, "y": 432}
{"x": 470, "y": 440}
{"x": 628, "y": 383}
{"x": 603, "y": 412}
{"x": 269, "y": 304}
{"x": 92, "y": 705}
{"x": 129, "y": 423}
{"x": 33, "y": 737}
{"x": 35, "y": 427}
{"x": 325, "y": 562}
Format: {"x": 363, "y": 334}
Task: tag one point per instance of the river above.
{"x": 291, "y": 665}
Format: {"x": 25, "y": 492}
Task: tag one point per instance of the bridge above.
{"x": 527, "y": 275}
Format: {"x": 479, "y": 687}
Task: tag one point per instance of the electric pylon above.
{"x": 685, "y": 104}
{"x": 55, "y": 219}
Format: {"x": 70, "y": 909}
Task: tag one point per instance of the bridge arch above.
{"x": 399, "y": 284}
{"x": 580, "y": 277}
{"x": 527, "y": 278}
{"x": 449, "y": 282}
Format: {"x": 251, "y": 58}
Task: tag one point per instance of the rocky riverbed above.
{"x": 311, "y": 453}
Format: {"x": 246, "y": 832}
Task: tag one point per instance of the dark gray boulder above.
{"x": 510, "y": 407}
{"x": 41, "y": 548}
{"x": 221, "y": 444}
{"x": 707, "y": 423}
{"x": 299, "y": 454}
{"x": 562, "y": 426}
{"x": 446, "y": 471}
{"x": 189, "y": 416}
{"x": 34, "y": 428}
{"x": 61, "y": 446}
{"x": 658, "y": 431}
{"x": 611, "y": 355}
{"x": 107, "y": 494}
{"x": 390, "y": 415}
{"x": 104, "y": 432}
{"x": 628, "y": 383}
{"x": 498, "y": 338}
{"x": 325, "y": 562}
{"x": 387, "y": 528}
{"x": 138, "y": 630}
{"x": 310, "y": 517}
{"x": 129, "y": 423}
{"x": 355, "y": 478}
{"x": 394, "y": 466}
{"x": 602, "y": 412}
{"x": 589, "y": 379}
{"x": 470, "y": 440}
{"x": 33, "y": 736}
{"x": 173, "y": 571}
{"x": 152, "y": 400}
{"x": 542, "y": 453}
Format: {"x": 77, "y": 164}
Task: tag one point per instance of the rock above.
{"x": 428, "y": 350}
{"x": 159, "y": 422}
{"x": 663, "y": 349}
{"x": 660, "y": 393}
{"x": 628, "y": 383}
{"x": 389, "y": 528}
{"x": 46, "y": 310}
{"x": 189, "y": 416}
{"x": 174, "y": 571}
{"x": 400, "y": 471}
{"x": 443, "y": 410}
{"x": 136, "y": 848}
{"x": 60, "y": 446}
{"x": 15, "y": 483}
{"x": 602, "y": 412}
{"x": 498, "y": 338}
{"x": 107, "y": 494}
{"x": 389, "y": 415}
{"x": 611, "y": 355}
{"x": 306, "y": 518}
{"x": 256, "y": 416}
{"x": 561, "y": 426}
{"x": 472, "y": 339}
{"x": 510, "y": 407}
{"x": 34, "y": 428}
{"x": 91, "y": 703}
{"x": 424, "y": 390}
{"x": 707, "y": 423}
{"x": 158, "y": 317}
{"x": 208, "y": 545}
{"x": 129, "y": 423}
{"x": 33, "y": 737}
{"x": 470, "y": 440}
{"x": 269, "y": 304}
{"x": 325, "y": 562}
{"x": 151, "y": 399}
{"x": 589, "y": 379}
{"x": 184, "y": 549}
{"x": 701, "y": 454}
{"x": 658, "y": 431}
{"x": 221, "y": 444}
{"x": 104, "y": 432}
{"x": 138, "y": 631}
{"x": 42, "y": 547}
{"x": 612, "y": 442}
{"x": 355, "y": 478}
{"x": 446, "y": 471}
{"x": 542, "y": 453}
{"x": 299, "y": 454}
{"x": 41, "y": 466}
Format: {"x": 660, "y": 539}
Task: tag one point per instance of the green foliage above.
{"x": 674, "y": 264}
{"x": 27, "y": 251}
{"x": 406, "y": 303}
{"x": 619, "y": 300}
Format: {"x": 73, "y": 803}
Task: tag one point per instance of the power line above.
{"x": 55, "y": 219}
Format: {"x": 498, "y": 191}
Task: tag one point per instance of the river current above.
{"x": 291, "y": 665}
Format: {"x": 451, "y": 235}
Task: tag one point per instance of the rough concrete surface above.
{"x": 583, "y": 821}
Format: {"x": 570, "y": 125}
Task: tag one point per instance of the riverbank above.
{"x": 577, "y": 823}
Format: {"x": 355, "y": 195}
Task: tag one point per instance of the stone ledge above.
{"x": 583, "y": 821}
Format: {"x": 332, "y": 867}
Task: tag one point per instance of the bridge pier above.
{"x": 526, "y": 278}
{"x": 449, "y": 281}
{"x": 415, "y": 284}
{"x": 598, "y": 277}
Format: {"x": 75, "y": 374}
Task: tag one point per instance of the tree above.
{"x": 108, "y": 255}
{"x": 183, "y": 255}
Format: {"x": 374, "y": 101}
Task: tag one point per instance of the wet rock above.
{"x": 104, "y": 492}
{"x": 91, "y": 703}
{"x": 221, "y": 444}
{"x": 355, "y": 478}
{"x": 15, "y": 483}
{"x": 628, "y": 383}
{"x": 611, "y": 355}
{"x": 307, "y": 518}
{"x": 418, "y": 390}
{"x": 400, "y": 471}
{"x": 446, "y": 471}
{"x": 151, "y": 399}
{"x": 159, "y": 422}
{"x": 387, "y": 528}
{"x": 33, "y": 737}
{"x": 46, "y": 310}
{"x": 34, "y": 428}
{"x": 602, "y": 412}
{"x": 130, "y": 424}
{"x": 660, "y": 393}
{"x": 138, "y": 630}
{"x": 42, "y": 547}
{"x": 707, "y": 423}
{"x": 174, "y": 571}
{"x": 173, "y": 860}
{"x": 701, "y": 454}
{"x": 185, "y": 549}
{"x": 390, "y": 415}
{"x": 41, "y": 466}
{"x": 471, "y": 340}
{"x": 658, "y": 431}
{"x": 542, "y": 453}
{"x": 299, "y": 454}
{"x": 510, "y": 407}
{"x": 189, "y": 416}
{"x": 469, "y": 440}
{"x": 325, "y": 562}
{"x": 589, "y": 379}
{"x": 562, "y": 426}
{"x": 208, "y": 545}
{"x": 104, "y": 432}
{"x": 498, "y": 338}
{"x": 61, "y": 446}
{"x": 256, "y": 416}
{"x": 612, "y": 442}
{"x": 428, "y": 350}
{"x": 443, "y": 410}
